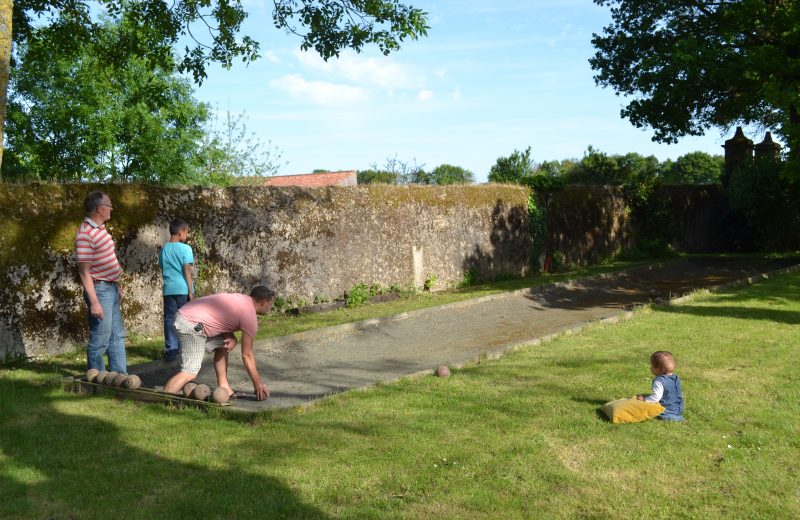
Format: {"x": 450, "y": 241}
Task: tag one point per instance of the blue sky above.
{"x": 491, "y": 77}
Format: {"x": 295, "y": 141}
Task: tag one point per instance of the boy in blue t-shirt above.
{"x": 175, "y": 259}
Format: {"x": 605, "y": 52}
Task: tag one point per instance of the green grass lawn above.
{"x": 518, "y": 437}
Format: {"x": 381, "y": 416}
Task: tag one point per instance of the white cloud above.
{"x": 320, "y": 92}
{"x": 272, "y": 57}
{"x": 255, "y": 5}
{"x": 425, "y": 95}
{"x": 381, "y": 72}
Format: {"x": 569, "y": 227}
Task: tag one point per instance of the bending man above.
{"x": 207, "y": 324}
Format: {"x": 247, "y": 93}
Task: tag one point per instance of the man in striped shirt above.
{"x": 99, "y": 270}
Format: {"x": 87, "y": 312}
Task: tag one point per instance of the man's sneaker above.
{"x": 170, "y": 355}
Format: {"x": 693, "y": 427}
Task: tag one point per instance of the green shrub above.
{"x": 404, "y": 291}
{"x": 430, "y": 281}
{"x": 321, "y": 298}
{"x": 470, "y": 279}
{"x": 558, "y": 262}
{"x": 357, "y": 295}
{"x": 281, "y": 304}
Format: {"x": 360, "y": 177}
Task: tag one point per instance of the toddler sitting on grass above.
{"x": 666, "y": 387}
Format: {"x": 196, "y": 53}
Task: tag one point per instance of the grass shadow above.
{"x": 746, "y": 313}
{"x": 47, "y": 479}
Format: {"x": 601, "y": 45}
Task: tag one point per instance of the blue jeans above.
{"x": 172, "y": 302}
{"x": 666, "y": 416}
{"x": 106, "y": 336}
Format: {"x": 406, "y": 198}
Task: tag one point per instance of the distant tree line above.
{"x": 594, "y": 167}
{"x": 396, "y": 171}
{"x": 598, "y": 168}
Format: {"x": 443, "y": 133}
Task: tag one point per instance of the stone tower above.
{"x": 738, "y": 152}
{"x": 768, "y": 149}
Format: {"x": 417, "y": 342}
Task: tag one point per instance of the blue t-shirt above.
{"x": 173, "y": 256}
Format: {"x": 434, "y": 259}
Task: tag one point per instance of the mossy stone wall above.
{"x": 588, "y": 224}
{"x": 697, "y": 214}
{"x": 305, "y": 243}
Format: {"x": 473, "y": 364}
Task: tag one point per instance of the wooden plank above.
{"x": 82, "y": 386}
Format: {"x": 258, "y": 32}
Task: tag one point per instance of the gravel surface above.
{"x": 307, "y": 366}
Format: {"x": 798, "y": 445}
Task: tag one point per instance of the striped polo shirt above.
{"x": 93, "y": 244}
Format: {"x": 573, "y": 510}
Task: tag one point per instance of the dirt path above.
{"x": 310, "y": 365}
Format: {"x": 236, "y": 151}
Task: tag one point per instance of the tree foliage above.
{"x": 328, "y": 26}
{"x": 209, "y": 31}
{"x": 229, "y": 154}
{"x": 599, "y": 168}
{"x": 556, "y": 168}
{"x": 403, "y": 172}
{"x": 631, "y": 169}
{"x": 690, "y": 65}
{"x": 373, "y": 176}
{"x": 693, "y": 168}
{"x": 513, "y": 169}
{"x": 74, "y": 117}
{"x": 77, "y": 118}
{"x": 766, "y": 200}
{"x": 449, "y": 174}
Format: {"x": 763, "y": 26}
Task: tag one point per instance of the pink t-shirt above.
{"x": 223, "y": 312}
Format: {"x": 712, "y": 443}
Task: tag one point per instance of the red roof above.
{"x": 315, "y": 180}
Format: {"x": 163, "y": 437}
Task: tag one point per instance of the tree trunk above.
{"x": 6, "y": 12}
{"x": 793, "y": 135}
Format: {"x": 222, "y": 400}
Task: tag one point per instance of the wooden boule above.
{"x": 221, "y": 395}
{"x": 91, "y": 374}
{"x": 132, "y": 382}
{"x": 109, "y": 379}
{"x": 119, "y": 379}
{"x": 201, "y": 392}
{"x": 187, "y": 389}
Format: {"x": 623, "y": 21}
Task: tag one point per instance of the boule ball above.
{"x": 201, "y": 392}
{"x": 659, "y": 300}
{"x": 91, "y": 374}
{"x": 132, "y": 382}
{"x": 443, "y": 371}
{"x": 109, "y": 379}
{"x": 118, "y": 379}
{"x": 100, "y": 378}
{"x": 221, "y": 395}
{"x": 187, "y": 389}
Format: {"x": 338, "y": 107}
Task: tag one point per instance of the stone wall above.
{"x": 305, "y": 243}
{"x": 587, "y": 224}
{"x": 695, "y": 213}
